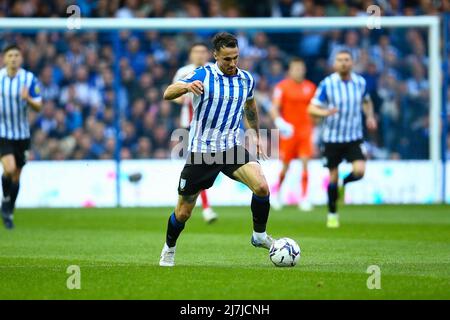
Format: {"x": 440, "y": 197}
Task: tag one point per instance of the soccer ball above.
{"x": 284, "y": 252}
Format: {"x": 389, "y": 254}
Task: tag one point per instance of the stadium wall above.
{"x": 92, "y": 184}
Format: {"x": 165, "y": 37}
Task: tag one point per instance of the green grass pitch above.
{"x": 118, "y": 250}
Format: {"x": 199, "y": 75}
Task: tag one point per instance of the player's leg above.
{"x": 9, "y": 170}
{"x": 175, "y": 225}
{"x": 20, "y": 156}
{"x": 305, "y": 152}
{"x": 204, "y": 197}
{"x": 15, "y": 186}
{"x": 358, "y": 170}
{"x": 196, "y": 176}
{"x": 10, "y": 187}
{"x": 354, "y": 153}
{"x": 305, "y": 204}
{"x": 287, "y": 154}
{"x": 332, "y": 191}
{"x": 178, "y": 218}
{"x": 284, "y": 169}
{"x": 333, "y": 156}
{"x": 277, "y": 201}
{"x": 252, "y": 176}
{"x": 208, "y": 213}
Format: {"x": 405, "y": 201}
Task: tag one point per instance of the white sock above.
{"x": 259, "y": 236}
{"x": 166, "y": 247}
{"x": 332, "y": 214}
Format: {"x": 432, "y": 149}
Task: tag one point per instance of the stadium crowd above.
{"x": 76, "y": 72}
{"x": 218, "y": 8}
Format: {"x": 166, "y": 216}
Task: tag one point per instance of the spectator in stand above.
{"x": 143, "y": 149}
{"x": 288, "y": 8}
{"x": 337, "y": 8}
{"x": 49, "y": 88}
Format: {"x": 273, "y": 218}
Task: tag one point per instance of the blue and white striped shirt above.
{"x": 348, "y": 97}
{"x": 14, "y": 123}
{"x": 218, "y": 111}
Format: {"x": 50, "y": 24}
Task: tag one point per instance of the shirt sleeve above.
{"x": 35, "y": 90}
{"x": 320, "y": 97}
{"x": 251, "y": 93}
{"x": 366, "y": 95}
{"x": 198, "y": 74}
{"x": 177, "y": 76}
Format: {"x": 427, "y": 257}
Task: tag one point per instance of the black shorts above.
{"x": 202, "y": 169}
{"x": 18, "y": 148}
{"x": 334, "y": 153}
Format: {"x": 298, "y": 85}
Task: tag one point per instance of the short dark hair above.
{"x": 198, "y": 44}
{"x": 224, "y": 40}
{"x": 344, "y": 51}
{"x": 8, "y": 47}
{"x": 296, "y": 59}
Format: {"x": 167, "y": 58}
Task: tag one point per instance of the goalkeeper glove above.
{"x": 286, "y": 129}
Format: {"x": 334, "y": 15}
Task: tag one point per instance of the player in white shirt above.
{"x": 199, "y": 56}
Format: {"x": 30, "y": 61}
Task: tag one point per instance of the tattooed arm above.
{"x": 252, "y": 119}
{"x": 251, "y": 115}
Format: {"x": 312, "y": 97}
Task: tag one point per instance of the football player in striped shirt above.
{"x": 222, "y": 93}
{"x": 199, "y": 57}
{"x": 341, "y": 98}
{"x": 19, "y": 90}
